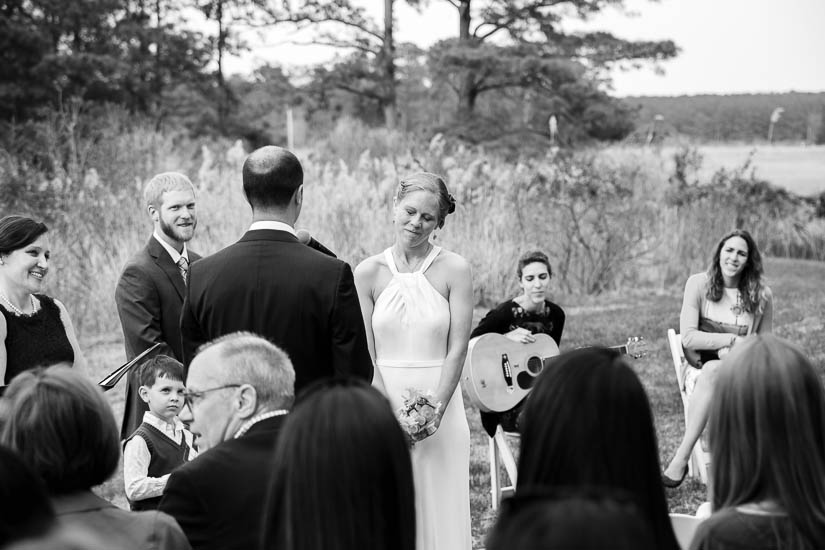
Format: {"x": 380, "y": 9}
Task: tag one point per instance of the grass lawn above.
{"x": 799, "y": 302}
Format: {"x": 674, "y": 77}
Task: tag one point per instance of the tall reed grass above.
{"x": 608, "y": 223}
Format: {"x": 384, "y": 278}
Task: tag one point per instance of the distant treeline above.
{"x": 742, "y": 117}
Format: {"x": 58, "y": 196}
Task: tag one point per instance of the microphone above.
{"x": 305, "y": 238}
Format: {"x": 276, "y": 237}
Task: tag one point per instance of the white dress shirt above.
{"x": 136, "y": 458}
{"x": 170, "y": 249}
{"x": 276, "y": 226}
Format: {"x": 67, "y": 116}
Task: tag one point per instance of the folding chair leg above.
{"x": 506, "y": 456}
{"x": 495, "y": 484}
{"x": 500, "y": 454}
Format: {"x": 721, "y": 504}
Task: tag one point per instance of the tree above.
{"x": 228, "y": 15}
{"x": 370, "y": 70}
{"x": 127, "y": 52}
{"x": 529, "y": 42}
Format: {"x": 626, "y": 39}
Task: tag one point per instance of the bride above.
{"x": 417, "y": 301}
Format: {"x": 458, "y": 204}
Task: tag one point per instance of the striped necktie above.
{"x": 183, "y": 266}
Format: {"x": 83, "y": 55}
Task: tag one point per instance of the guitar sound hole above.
{"x": 525, "y": 381}
{"x": 534, "y": 365}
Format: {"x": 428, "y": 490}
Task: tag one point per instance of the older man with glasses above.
{"x": 239, "y": 388}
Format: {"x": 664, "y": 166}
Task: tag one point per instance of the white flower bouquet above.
{"x": 418, "y": 415}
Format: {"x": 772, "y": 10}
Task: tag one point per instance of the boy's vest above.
{"x": 166, "y": 456}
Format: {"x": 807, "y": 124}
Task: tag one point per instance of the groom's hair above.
{"x": 271, "y": 175}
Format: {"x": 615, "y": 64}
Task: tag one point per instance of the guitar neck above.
{"x": 623, "y": 349}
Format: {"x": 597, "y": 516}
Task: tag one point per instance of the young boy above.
{"x": 161, "y": 443}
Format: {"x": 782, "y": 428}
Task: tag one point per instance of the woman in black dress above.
{"x": 35, "y": 329}
{"x": 519, "y": 319}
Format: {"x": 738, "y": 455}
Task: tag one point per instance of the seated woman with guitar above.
{"x": 519, "y": 319}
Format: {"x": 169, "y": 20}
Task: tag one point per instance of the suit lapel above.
{"x": 164, "y": 262}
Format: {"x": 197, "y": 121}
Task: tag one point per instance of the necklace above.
{"x": 13, "y": 307}
{"x": 738, "y": 308}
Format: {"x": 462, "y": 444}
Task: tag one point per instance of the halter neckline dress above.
{"x": 411, "y": 326}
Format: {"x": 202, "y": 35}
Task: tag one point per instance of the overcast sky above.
{"x": 727, "y": 46}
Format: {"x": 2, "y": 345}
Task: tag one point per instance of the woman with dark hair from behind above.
{"x": 720, "y": 307}
{"x": 25, "y": 510}
{"x": 587, "y": 424}
{"x": 35, "y": 329}
{"x": 342, "y": 474}
{"x": 63, "y": 428}
{"x": 767, "y": 440}
{"x": 27, "y": 519}
{"x": 575, "y": 519}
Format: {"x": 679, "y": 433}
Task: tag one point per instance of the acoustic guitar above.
{"x": 498, "y": 372}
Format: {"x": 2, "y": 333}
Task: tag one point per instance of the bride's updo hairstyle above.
{"x": 426, "y": 181}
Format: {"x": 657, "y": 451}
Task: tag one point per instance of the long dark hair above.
{"x": 767, "y": 433}
{"x": 25, "y": 509}
{"x": 342, "y": 475}
{"x": 562, "y": 518}
{"x": 587, "y": 423}
{"x": 750, "y": 281}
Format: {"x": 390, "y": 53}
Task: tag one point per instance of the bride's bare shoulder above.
{"x": 453, "y": 261}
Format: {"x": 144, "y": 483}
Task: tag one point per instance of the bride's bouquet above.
{"x": 418, "y": 414}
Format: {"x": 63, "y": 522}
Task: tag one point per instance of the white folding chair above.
{"x": 501, "y": 454}
{"x": 684, "y": 527}
{"x": 686, "y": 375}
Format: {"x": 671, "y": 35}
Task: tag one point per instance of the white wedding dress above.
{"x": 411, "y": 324}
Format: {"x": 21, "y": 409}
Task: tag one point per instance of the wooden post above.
{"x": 290, "y": 130}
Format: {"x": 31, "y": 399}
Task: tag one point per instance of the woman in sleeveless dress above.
{"x": 720, "y": 307}
{"x": 417, "y": 302}
{"x": 35, "y": 329}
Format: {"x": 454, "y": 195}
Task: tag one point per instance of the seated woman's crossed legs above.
{"x": 698, "y": 405}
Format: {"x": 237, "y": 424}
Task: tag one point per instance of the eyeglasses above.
{"x": 189, "y": 397}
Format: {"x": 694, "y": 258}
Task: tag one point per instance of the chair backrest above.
{"x": 684, "y": 527}
{"x": 704, "y": 510}
{"x": 677, "y": 354}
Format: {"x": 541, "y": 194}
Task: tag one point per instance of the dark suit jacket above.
{"x": 149, "y": 296}
{"x": 218, "y": 498}
{"x": 270, "y": 284}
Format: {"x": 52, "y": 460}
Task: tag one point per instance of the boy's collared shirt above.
{"x": 136, "y": 458}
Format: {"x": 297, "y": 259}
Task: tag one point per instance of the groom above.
{"x": 271, "y": 284}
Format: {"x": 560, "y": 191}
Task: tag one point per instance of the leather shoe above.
{"x": 671, "y": 483}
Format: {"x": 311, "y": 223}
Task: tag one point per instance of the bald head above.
{"x": 271, "y": 175}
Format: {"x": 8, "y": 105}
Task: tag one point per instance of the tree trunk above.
{"x": 467, "y": 92}
{"x": 222, "y": 91}
{"x": 388, "y": 67}
{"x": 467, "y": 97}
{"x": 464, "y": 20}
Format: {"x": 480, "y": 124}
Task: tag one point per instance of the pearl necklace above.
{"x": 16, "y": 309}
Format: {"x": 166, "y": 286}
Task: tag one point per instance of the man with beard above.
{"x": 150, "y": 291}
